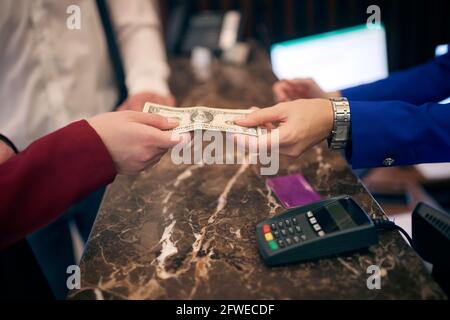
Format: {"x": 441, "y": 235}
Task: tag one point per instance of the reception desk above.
{"x": 188, "y": 231}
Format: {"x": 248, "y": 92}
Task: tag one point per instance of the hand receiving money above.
{"x": 301, "y": 123}
{"x": 204, "y": 118}
{"x": 134, "y": 140}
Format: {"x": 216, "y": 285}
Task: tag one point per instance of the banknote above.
{"x": 203, "y": 118}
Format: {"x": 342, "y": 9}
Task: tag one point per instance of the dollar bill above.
{"x": 203, "y": 118}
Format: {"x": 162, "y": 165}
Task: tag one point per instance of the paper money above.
{"x": 203, "y": 118}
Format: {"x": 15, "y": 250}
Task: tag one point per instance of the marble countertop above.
{"x": 188, "y": 231}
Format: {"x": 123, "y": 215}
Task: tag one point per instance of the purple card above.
{"x": 293, "y": 191}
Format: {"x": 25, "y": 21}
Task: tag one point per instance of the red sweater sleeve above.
{"x": 53, "y": 173}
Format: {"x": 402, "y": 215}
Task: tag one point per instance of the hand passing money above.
{"x": 203, "y": 118}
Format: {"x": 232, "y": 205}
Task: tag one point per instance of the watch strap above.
{"x": 341, "y": 124}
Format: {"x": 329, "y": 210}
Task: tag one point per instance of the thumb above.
{"x": 154, "y": 120}
{"x": 258, "y": 117}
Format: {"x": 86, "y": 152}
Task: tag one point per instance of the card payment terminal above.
{"x": 314, "y": 231}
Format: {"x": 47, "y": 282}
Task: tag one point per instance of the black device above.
{"x": 431, "y": 240}
{"x": 318, "y": 230}
{"x": 214, "y": 30}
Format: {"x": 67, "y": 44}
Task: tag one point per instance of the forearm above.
{"x": 425, "y": 83}
{"x": 406, "y": 133}
{"x": 138, "y": 31}
{"x": 48, "y": 177}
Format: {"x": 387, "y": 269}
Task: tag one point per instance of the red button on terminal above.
{"x": 266, "y": 228}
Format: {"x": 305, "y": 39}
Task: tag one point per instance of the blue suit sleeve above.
{"x": 407, "y": 133}
{"x": 429, "y": 82}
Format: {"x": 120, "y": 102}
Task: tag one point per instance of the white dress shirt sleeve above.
{"x": 138, "y": 32}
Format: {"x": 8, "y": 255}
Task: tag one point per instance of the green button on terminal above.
{"x": 273, "y": 245}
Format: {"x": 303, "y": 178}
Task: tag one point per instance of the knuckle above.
{"x": 129, "y": 113}
{"x": 150, "y": 139}
{"x": 158, "y": 120}
{"x": 145, "y": 141}
{"x": 145, "y": 155}
{"x": 289, "y": 139}
{"x": 291, "y": 153}
{"x": 145, "y": 158}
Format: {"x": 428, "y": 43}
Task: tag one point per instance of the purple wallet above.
{"x": 293, "y": 191}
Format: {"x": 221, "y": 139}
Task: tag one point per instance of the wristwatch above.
{"x": 341, "y": 124}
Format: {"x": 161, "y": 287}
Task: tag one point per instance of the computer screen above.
{"x": 441, "y": 50}
{"x": 335, "y": 60}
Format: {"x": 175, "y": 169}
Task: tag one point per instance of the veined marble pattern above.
{"x": 188, "y": 231}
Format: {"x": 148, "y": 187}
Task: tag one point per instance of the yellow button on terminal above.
{"x": 269, "y": 236}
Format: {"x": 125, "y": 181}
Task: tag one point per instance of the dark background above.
{"x": 413, "y": 27}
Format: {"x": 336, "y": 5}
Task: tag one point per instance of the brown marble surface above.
{"x": 188, "y": 231}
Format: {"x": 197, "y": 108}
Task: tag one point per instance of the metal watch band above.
{"x": 341, "y": 124}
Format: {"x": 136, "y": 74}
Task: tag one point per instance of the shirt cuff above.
{"x": 375, "y": 137}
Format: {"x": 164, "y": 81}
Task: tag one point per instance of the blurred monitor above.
{"x": 441, "y": 50}
{"x": 336, "y": 60}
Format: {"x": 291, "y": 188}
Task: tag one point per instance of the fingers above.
{"x": 280, "y": 91}
{"x": 155, "y": 159}
{"x": 268, "y": 125}
{"x": 170, "y": 101}
{"x": 301, "y": 81}
{"x": 132, "y": 104}
{"x": 258, "y": 117}
{"x": 267, "y": 140}
{"x": 292, "y": 151}
{"x": 154, "y": 124}
{"x": 288, "y": 90}
{"x": 159, "y": 99}
{"x": 154, "y": 120}
{"x": 298, "y": 90}
{"x": 162, "y": 139}
{"x": 133, "y": 107}
{"x": 278, "y": 141}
